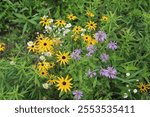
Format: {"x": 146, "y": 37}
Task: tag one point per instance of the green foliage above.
{"x": 129, "y": 26}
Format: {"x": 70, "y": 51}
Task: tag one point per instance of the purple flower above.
{"x": 104, "y": 57}
{"x": 91, "y": 49}
{"x": 112, "y": 45}
{"x": 76, "y": 54}
{"x": 91, "y": 74}
{"x": 110, "y": 72}
{"x": 104, "y": 72}
{"x": 100, "y": 36}
{"x": 78, "y": 94}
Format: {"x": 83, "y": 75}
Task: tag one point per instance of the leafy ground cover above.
{"x": 75, "y": 49}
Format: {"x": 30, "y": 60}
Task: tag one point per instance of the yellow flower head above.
{"x": 43, "y": 73}
{"x": 45, "y": 21}
{"x": 52, "y": 79}
{"x": 40, "y": 37}
{"x": 43, "y": 65}
{"x": 71, "y": 17}
{"x": 77, "y": 29}
{"x": 90, "y": 14}
{"x": 64, "y": 84}
{"x": 143, "y": 87}
{"x": 60, "y": 23}
{"x": 91, "y": 42}
{"x": 105, "y": 18}
{"x": 45, "y": 45}
{"x": 2, "y": 47}
{"x": 87, "y": 38}
{"x": 32, "y": 47}
{"x": 63, "y": 58}
{"x": 91, "y": 25}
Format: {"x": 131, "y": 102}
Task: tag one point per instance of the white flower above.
{"x": 48, "y": 29}
{"x": 51, "y": 20}
{"x": 65, "y": 32}
{"x": 127, "y": 85}
{"x": 45, "y": 16}
{"x": 83, "y": 30}
{"x": 68, "y": 25}
{"x": 12, "y": 62}
{"x": 48, "y": 54}
{"x": 129, "y": 90}
{"x": 82, "y": 34}
{"x": 125, "y": 95}
{"x": 137, "y": 80}
{"x": 30, "y": 43}
{"x": 135, "y": 91}
{"x": 45, "y": 85}
{"x": 37, "y": 33}
{"x": 42, "y": 58}
{"x": 127, "y": 74}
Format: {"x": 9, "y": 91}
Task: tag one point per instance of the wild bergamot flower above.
{"x": 64, "y": 84}
{"x": 77, "y": 29}
{"x": 2, "y": 47}
{"x": 91, "y": 25}
{"x": 63, "y": 58}
{"x": 71, "y": 17}
{"x": 60, "y": 23}
{"x": 143, "y": 87}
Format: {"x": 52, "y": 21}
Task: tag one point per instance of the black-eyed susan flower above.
{"x": 51, "y": 65}
{"x": 71, "y": 17}
{"x": 45, "y": 21}
{"x": 64, "y": 84}
{"x": 87, "y": 38}
{"x": 45, "y": 45}
{"x": 52, "y": 79}
{"x": 63, "y": 58}
{"x": 2, "y": 47}
{"x": 104, "y": 18}
{"x": 143, "y": 87}
{"x": 60, "y": 23}
{"x": 40, "y": 37}
{"x": 43, "y": 73}
{"x": 43, "y": 65}
{"x": 91, "y": 42}
{"x": 77, "y": 29}
{"x": 31, "y": 47}
{"x": 91, "y": 25}
{"x": 89, "y": 13}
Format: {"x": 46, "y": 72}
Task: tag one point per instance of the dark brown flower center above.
{"x": 42, "y": 72}
{"x": 45, "y": 44}
{"x": 91, "y": 24}
{"x": 64, "y": 83}
{"x": 63, "y": 57}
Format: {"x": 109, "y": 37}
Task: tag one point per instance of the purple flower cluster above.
{"x": 112, "y": 45}
{"x": 91, "y": 49}
{"x": 100, "y": 36}
{"x": 91, "y": 74}
{"x": 78, "y": 94}
{"x": 76, "y": 54}
{"x": 110, "y": 72}
{"x": 104, "y": 57}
